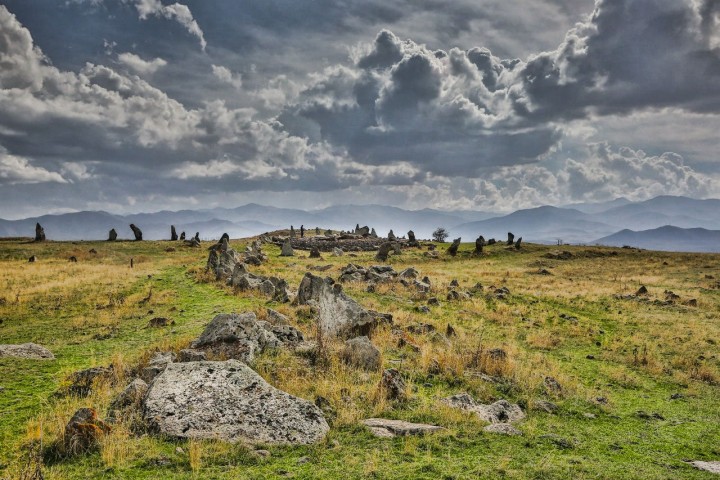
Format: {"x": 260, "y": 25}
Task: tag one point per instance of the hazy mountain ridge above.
{"x": 588, "y": 223}
{"x": 667, "y": 238}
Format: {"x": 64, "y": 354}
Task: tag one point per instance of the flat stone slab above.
{"x": 228, "y": 401}
{"x": 384, "y": 428}
{"x": 31, "y": 351}
{"x": 502, "y": 429}
{"x": 501, "y": 411}
{"x": 712, "y": 467}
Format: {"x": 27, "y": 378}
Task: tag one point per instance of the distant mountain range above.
{"x": 665, "y": 222}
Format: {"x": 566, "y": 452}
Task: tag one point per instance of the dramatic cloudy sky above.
{"x": 140, "y": 105}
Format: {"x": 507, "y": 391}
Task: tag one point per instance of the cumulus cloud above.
{"x": 18, "y": 170}
{"x": 177, "y": 11}
{"x": 225, "y": 75}
{"x": 138, "y": 65}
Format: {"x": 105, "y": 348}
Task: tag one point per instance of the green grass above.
{"x": 92, "y": 313}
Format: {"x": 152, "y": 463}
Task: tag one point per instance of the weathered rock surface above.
{"x": 712, "y": 467}
{"x": 287, "y": 249}
{"x": 112, "y": 235}
{"x": 385, "y": 428}
{"x": 361, "y": 353}
{"x": 83, "y": 431}
{"x": 501, "y": 411}
{"x": 237, "y": 336}
{"x": 503, "y": 429}
{"x": 384, "y": 252}
{"x": 173, "y": 233}
{"x": 273, "y": 287}
{"x": 229, "y": 401}
{"x": 222, "y": 263}
{"x": 393, "y": 385}
{"x": 26, "y": 350}
{"x": 277, "y": 318}
{"x": 338, "y": 314}
{"x": 131, "y": 395}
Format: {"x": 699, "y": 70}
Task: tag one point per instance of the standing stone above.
{"x": 173, "y": 234}
{"x": 112, "y": 236}
{"x": 393, "y": 385}
{"x": 453, "y": 248}
{"x": 317, "y": 230}
{"x": 197, "y": 236}
{"x": 287, "y": 250}
{"x": 136, "y": 231}
{"x": 383, "y": 252}
{"x": 315, "y": 253}
{"x": 373, "y": 233}
{"x": 360, "y": 352}
{"x": 517, "y": 244}
{"x": 492, "y": 241}
{"x": 182, "y": 236}
{"x": 225, "y": 237}
{"x": 391, "y": 236}
{"x": 292, "y": 231}
{"x": 39, "y": 233}
{"x": 364, "y": 231}
{"x": 511, "y": 238}
{"x": 479, "y": 244}
{"x": 412, "y": 242}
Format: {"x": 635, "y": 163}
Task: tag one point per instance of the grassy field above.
{"x": 640, "y": 378}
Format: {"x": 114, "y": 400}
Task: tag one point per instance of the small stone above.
{"x": 385, "y": 428}
{"x": 503, "y": 429}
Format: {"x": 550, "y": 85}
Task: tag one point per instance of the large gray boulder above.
{"x": 237, "y": 336}
{"x": 287, "y": 250}
{"x": 337, "y": 314}
{"x": 229, "y": 401}
{"x": 31, "y": 351}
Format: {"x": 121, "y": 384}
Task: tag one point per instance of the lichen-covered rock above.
{"x": 156, "y": 365}
{"x": 83, "y": 431}
{"x": 229, "y": 401}
{"x": 386, "y": 428}
{"x": 393, "y": 385}
{"x": 277, "y": 318}
{"x": 26, "y": 350}
{"x": 237, "y": 336}
{"x": 501, "y": 411}
{"x": 338, "y": 314}
{"x": 191, "y": 355}
{"x": 272, "y": 287}
{"x": 131, "y": 396}
{"x": 360, "y": 352}
{"x": 222, "y": 263}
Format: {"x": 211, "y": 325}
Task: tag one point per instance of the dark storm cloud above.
{"x": 192, "y": 101}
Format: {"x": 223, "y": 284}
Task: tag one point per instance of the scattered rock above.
{"x": 384, "y": 428}
{"x": 229, "y": 401}
{"x": 503, "y": 429}
{"x": 32, "y": 259}
{"x": 130, "y": 396}
{"x": 545, "y": 406}
{"x": 501, "y": 411}
{"x": 272, "y": 287}
{"x": 26, "y": 350}
{"x": 83, "y": 431}
{"x": 237, "y": 336}
{"x": 360, "y": 352}
{"x": 315, "y": 253}
{"x": 642, "y": 291}
{"x": 158, "y": 322}
{"x": 393, "y": 385}
{"x": 276, "y": 318}
{"x": 73, "y": 259}
{"x": 552, "y": 385}
{"x": 384, "y": 252}
{"x": 157, "y": 364}
{"x": 712, "y": 467}
{"x": 337, "y": 252}
{"x": 222, "y": 262}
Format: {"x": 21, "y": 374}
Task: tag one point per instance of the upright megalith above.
{"x": 197, "y": 236}
{"x": 384, "y": 251}
{"x": 182, "y": 236}
{"x": 511, "y": 238}
{"x": 337, "y": 314}
{"x": 225, "y": 237}
{"x": 412, "y": 242}
{"x": 39, "y": 233}
{"x": 287, "y": 250}
{"x": 453, "y": 248}
{"x": 173, "y": 233}
{"x": 517, "y": 243}
{"x": 112, "y": 235}
{"x": 391, "y": 236}
{"x": 136, "y": 231}
{"x": 479, "y": 244}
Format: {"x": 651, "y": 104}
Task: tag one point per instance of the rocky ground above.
{"x": 283, "y": 357}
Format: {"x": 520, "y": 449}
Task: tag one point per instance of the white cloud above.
{"x": 19, "y": 170}
{"x": 178, "y": 12}
{"x": 137, "y": 64}
{"x": 224, "y": 74}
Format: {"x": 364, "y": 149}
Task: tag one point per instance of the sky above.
{"x": 145, "y": 105}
